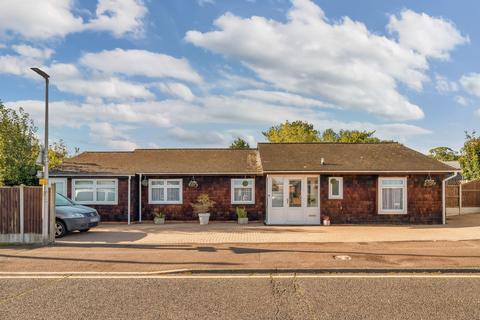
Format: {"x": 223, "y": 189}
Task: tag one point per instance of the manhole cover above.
{"x": 342, "y": 258}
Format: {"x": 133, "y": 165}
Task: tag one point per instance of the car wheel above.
{"x": 84, "y": 230}
{"x": 60, "y": 229}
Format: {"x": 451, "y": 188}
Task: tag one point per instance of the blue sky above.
{"x": 145, "y": 74}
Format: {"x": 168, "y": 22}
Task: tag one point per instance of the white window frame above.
{"x": 64, "y": 180}
{"x": 380, "y": 200}
{"x": 340, "y": 189}
{"x": 164, "y": 187}
{"x": 95, "y": 181}
{"x": 232, "y": 191}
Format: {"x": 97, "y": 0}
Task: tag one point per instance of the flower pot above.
{"x": 326, "y": 222}
{"x": 158, "y": 220}
{"x": 203, "y": 218}
{"x": 242, "y": 220}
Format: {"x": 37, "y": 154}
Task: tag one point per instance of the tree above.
{"x": 296, "y": 131}
{"x": 18, "y": 147}
{"x": 57, "y": 153}
{"x": 470, "y": 158}
{"x": 239, "y": 143}
{"x": 357, "y": 136}
{"x": 443, "y": 154}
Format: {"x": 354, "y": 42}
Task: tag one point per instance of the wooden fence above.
{"x": 463, "y": 198}
{"x": 21, "y": 215}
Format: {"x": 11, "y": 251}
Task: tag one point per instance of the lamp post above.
{"x": 45, "y": 209}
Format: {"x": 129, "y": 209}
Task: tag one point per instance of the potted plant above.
{"x": 202, "y": 208}
{"x": 326, "y": 221}
{"x": 242, "y": 215}
{"x": 159, "y": 218}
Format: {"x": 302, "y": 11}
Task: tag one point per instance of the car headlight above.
{"x": 77, "y": 215}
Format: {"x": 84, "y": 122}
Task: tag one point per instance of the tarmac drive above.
{"x": 226, "y": 297}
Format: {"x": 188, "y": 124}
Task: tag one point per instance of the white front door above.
{"x": 293, "y": 200}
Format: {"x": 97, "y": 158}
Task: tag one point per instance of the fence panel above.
{"x": 9, "y": 210}
{"x": 471, "y": 194}
{"x": 452, "y": 196}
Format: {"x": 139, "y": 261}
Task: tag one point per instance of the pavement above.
{"x": 151, "y": 248}
{"x": 463, "y": 227}
{"x": 247, "y": 297}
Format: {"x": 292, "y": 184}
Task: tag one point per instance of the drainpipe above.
{"x": 129, "y": 183}
{"x": 444, "y": 208}
{"x": 140, "y": 198}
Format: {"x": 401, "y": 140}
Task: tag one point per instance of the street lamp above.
{"x": 45, "y": 209}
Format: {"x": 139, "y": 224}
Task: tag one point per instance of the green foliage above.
{"x": 18, "y": 147}
{"x": 203, "y": 204}
{"x": 57, "y": 153}
{"x": 241, "y": 212}
{"x": 300, "y": 131}
{"x": 159, "y": 214}
{"x": 443, "y": 154}
{"x": 470, "y": 158}
{"x": 297, "y": 131}
{"x": 239, "y": 143}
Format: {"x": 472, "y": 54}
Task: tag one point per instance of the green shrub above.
{"x": 241, "y": 212}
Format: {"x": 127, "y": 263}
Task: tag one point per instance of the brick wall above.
{"x": 360, "y": 196}
{"x": 219, "y": 190}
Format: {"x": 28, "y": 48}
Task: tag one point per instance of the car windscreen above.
{"x": 62, "y": 201}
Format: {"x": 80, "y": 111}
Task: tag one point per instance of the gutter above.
{"x": 444, "y": 207}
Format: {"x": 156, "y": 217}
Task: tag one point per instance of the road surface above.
{"x": 242, "y": 297}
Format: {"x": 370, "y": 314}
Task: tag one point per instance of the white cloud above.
{"x": 461, "y": 100}
{"x": 141, "y": 63}
{"x": 431, "y": 36}
{"x": 177, "y": 90}
{"x": 119, "y": 17}
{"x": 444, "y": 86}
{"x": 33, "y": 19}
{"x": 283, "y": 98}
{"x": 46, "y": 19}
{"x": 197, "y": 137}
{"x": 339, "y": 62}
{"x": 113, "y": 137}
{"x": 477, "y": 113}
{"x": 471, "y": 83}
{"x": 201, "y": 3}
{"x": 31, "y": 52}
{"x": 69, "y": 79}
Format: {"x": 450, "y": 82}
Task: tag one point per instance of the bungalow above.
{"x": 281, "y": 183}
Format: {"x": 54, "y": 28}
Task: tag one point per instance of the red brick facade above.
{"x": 359, "y": 203}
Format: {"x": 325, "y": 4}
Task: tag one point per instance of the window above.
{"x": 392, "y": 195}
{"x": 312, "y": 192}
{"x": 95, "y": 191}
{"x": 60, "y": 185}
{"x": 243, "y": 191}
{"x": 335, "y": 188}
{"x": 165, "y": 191}
{"x": 277, "y": 192}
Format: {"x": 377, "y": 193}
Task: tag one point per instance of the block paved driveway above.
{"x": 465, "y": 227}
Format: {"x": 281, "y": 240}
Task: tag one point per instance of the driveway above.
{"x": 464, "y": 227}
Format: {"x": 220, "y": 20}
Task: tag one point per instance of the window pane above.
{"x": 106, "y": 194}
{"x": 106, "y": 183}
{"x": 173, "y": 183}
{"x": 157, "y": 194}
{"x": 392, "y": 182}
{"x": 242, "y": 183}
{"x": 295, "y": 193}
{"x": 242, "y": 194}
{"x": 84, "y": 183}
{"x": 173, "y": 194}
{"x": 277, "y": 192}
{"x": 312, "y": 192}
{"x": 335, "y": 186}
{"x": 158, "y": 183}
{"x": 83, "y": 195}
{"x": 60, "y": 187}
{"x": 392, "y": 199}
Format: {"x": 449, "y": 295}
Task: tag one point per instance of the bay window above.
{"x": 392, "y": 195}
{"x": 95, "y": 191}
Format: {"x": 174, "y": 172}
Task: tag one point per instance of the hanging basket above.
{"x": 193, "y": 184}
{"x": 145, "y": 182}
{"x": 429, "y": 182}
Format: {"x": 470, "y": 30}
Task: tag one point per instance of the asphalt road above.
{"x": 241, "y": 298}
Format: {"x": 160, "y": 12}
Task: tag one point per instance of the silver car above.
{"x": 71, "y": 216}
